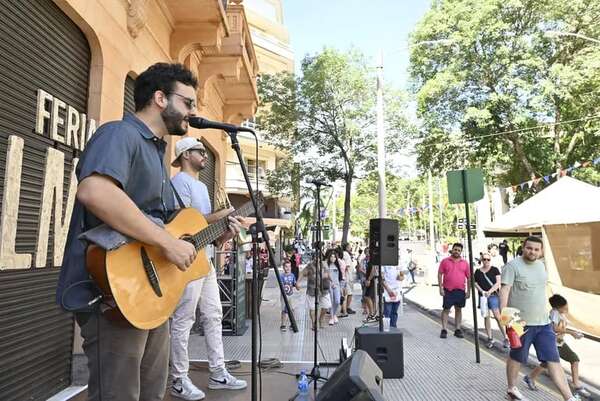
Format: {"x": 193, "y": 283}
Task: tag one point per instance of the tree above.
{"x": 325, "y": 118}
{"x": 498, "y": 91}
{"x": 407, "y": 202}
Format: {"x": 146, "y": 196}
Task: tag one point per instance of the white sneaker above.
{"x": 514, "y": 394}
{"x": 582, "y": 391}
{"x": 227, "y": 381}
{"x": 183, "y": 388}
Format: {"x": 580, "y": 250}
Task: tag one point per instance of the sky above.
{"x": 368, "y": 25}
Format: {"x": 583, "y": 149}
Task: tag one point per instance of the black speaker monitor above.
{"x": 356, "y": 379}
{"x": 386, "y": 348}
{"x": 383, "y": 242}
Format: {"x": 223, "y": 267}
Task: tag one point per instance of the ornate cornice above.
{"x": 136, "y": 17}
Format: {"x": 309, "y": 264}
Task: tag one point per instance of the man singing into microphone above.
{"x": 190, "y": 156}
{"x": 122, "y": 181}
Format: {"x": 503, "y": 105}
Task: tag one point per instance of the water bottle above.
{"x": 302, "y": 385}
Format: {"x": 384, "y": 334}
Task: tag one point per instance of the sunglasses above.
{"x": 202, "y": 152}
{"x": 486, "y": 260}
{"x": 189, "y": 102}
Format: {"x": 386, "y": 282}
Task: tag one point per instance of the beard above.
{"x": 173, "y": 120}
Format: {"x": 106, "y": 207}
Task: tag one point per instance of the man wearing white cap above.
{"x": 190, "y": 156}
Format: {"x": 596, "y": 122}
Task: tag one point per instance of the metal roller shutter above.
{"x": 40, "y": 48}
{"x": 128, "y": 102}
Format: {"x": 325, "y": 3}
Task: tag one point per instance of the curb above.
{"x": 498, "y": 349}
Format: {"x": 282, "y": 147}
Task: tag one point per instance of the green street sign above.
{"x": 465, "y": 186}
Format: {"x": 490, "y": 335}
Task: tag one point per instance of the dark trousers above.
{"x": 412, "y": 275}
{"x": 125, "y": 363}
{"x": 390, "y": 309}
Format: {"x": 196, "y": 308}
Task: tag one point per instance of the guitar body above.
{"x": 120, "y": 273}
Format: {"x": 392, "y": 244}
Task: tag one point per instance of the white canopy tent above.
{"x": 567, "y": 201}
{"x": 567, "y": 214}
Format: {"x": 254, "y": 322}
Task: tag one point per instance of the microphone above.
{"x": 316, "y": 181}
{"x": 203, "y": 123}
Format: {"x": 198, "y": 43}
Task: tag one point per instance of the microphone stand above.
{"x": 257, "y": 230}
{"x": 315, "y": 374}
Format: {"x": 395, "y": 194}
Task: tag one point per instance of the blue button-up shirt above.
{"x": 128, "y": 152}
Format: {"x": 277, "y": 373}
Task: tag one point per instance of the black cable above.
{"x": 260, "y": 343}
{"x": 325, "y": 359}
{"x": 99, "y": 362}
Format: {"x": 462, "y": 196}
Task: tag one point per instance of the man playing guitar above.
{"x": 190, "y": 156}
{"x": 122, "y": 179}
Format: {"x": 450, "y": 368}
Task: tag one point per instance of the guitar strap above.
{"x": 181, "y": 204}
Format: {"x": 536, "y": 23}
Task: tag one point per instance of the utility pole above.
{"x": 431, "y": 225}
{"x": 441, "y": 233}
{"x": 381, "y": 139}
{"x": 409, "y": 214}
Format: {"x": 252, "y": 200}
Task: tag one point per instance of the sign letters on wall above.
{"x": 62, "y": 123}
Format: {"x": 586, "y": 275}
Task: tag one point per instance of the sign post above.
{"x": 466, "y": 186}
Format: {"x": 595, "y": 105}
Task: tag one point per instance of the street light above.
{"x": 554, "y": 34}
{"x": 380, "y": 121}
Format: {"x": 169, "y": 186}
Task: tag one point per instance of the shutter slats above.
{"x": 41, "y": 48}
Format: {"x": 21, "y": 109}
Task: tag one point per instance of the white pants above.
{"x": 203, "y": 293}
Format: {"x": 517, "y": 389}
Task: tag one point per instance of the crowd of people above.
{"x": 343, "y": 269}
{"x": 499, "y": 283}
{"x": 520, "y": 284}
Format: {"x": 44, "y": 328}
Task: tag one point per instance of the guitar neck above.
{"x": 209, "y": 234}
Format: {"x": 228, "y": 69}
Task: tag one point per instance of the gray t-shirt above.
{"x": 193, "y": 193}
{"x": 528, "y": 292}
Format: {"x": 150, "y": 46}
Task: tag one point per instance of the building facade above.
{"x": 274, "y": 54}
{"x": 66, "y": 66}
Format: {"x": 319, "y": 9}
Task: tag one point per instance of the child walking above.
{"x": 560, "y": 308}
{"x": 392, "y": 283}
{"x": 288, "y": 280}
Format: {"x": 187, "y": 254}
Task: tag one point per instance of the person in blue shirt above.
{"x": 123, "y": 180}
{"x": 289, "y": 283}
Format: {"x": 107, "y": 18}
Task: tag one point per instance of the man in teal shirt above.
{"x": 524, "y": 288}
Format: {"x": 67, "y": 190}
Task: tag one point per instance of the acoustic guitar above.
{"x": 143, "y": 284}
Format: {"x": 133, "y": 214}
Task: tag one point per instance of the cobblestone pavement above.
{"x": 435, "y": 369}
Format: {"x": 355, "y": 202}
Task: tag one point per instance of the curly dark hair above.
{"x": 160, "y": 77}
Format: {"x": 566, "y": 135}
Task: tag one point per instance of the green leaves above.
{"x": 494, "y": 89}
{"x": 326, "y": 118}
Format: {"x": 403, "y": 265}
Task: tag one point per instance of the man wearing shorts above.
{"x": 453, "y": 280}
{"x": 524, "y": 288}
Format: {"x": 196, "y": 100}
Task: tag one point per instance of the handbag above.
{"x": 483, "y": 305}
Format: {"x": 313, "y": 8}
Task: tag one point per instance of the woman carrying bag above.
{"x": 487, "y": 282}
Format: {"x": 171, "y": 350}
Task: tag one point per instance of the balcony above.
{"x": 212, "y": 37}
{"x": 234, "y": 181}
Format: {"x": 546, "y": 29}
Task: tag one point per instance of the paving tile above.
{"x": 435, "y": 369}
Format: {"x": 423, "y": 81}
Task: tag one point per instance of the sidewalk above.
{"x": 435, "y": 369}
{"x": 428, "y": 298}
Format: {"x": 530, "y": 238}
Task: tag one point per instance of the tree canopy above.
{"x": 325, "y": 118}
{"x": 497, "y": 87}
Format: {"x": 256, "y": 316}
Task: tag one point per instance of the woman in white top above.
{"x": 334, "y": 267}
